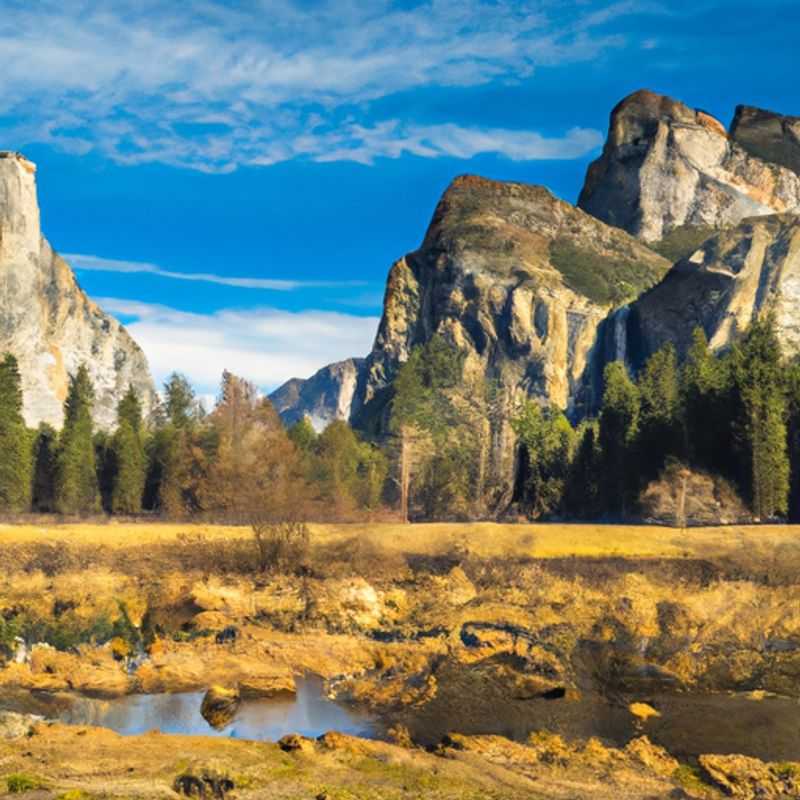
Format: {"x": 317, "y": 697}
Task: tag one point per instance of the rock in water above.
{"x": 48, "y": 322}
{"x": 767, "y": 135}
{"x": 220, "y": 706}
{"x": 667, "y": 167}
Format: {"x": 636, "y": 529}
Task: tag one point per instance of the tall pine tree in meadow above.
{"x": 76, "y": 489}
{"x": 16, "y": 461}
{"x": 130, "y": 461}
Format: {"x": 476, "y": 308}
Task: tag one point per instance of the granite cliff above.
{"x": 723, "y": 286}
{"x": 666, "y": 168}
{"x": 48, "y": 322}
{"x": 324, "y": 397}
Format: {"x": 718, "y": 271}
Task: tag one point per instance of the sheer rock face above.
{"x": 517, "y": 279}
{"x": 324, "y": 397}
{"x": 733, "y": 278}
{"x": 666, "y": 166}
{"x": 767, "y": 135}
{"x": 48, "y": 322}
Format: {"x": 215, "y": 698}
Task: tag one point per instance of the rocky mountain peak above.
{"x": 667, "y": 168}
{"x": 47, "y": 321}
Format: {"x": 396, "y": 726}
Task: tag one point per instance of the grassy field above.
{"x": 483, "y": 539}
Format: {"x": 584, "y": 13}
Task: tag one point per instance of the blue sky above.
{"x": 234, "y": 179}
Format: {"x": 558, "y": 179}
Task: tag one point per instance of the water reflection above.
{"x": 309, "y": 713}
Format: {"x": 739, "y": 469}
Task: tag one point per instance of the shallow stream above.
{"x": 688, "y": 725}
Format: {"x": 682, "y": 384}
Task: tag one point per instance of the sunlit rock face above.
{"x": 48, "y": 322}
{"x": 515, "y": 278}
{"x": 732, "y": 279}
{"x": 666, "y": 166}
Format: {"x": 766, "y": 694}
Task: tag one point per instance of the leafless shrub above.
{"x": 282, "y": 546}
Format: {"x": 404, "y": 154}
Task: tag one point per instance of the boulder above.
{"x": 748, "y": 778}
{"x": 220, "y": 706}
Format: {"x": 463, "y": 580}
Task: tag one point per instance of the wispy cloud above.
{"x": 211, "y": 85}
{"x": 265, "y": 345}
{"x": 93, "y": 263}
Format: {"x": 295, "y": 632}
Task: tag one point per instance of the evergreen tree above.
{"x": 618, "y": 428}
{"x": 129, "y": 456}
{"x": 547, "y": 440}
{"x": 582, "y": 493}
{"x": 180, "y": 403}
{"x": 660, "y": 426}
{"x": 16, "y": 464}
{"x": 708, "y": 407}
{"x": 303, "y": 435}
{"x": 759, "y": 379}
{"x": 44, "y": 468}
{"x": 423, "y": 421}
{"x": 793, "y": 426}
{"x": 76, "y": 490}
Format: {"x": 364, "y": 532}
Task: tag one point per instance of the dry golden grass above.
{"x": 485, "y": 539}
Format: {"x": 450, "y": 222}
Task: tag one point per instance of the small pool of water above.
{"x": 309, "y": 713}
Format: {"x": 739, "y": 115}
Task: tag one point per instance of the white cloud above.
{"x": 93, "y": 263}
{"x": 265, "y": 345}
{"x": 211, "y": 86}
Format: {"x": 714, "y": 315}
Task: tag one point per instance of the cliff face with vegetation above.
{"x": 47, "y": 321}
{"x": 517, "y": 279}
{"x": 539, "y": 296}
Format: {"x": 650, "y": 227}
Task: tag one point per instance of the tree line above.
{"x": 237, "y": 462}
{"x": 443, "y": 436}
{"x": 734, "y": 414}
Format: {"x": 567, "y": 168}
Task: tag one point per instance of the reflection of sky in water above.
{"x": 309, "y": 713}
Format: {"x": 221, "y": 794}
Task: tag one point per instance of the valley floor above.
{"x": 501, "y": 660}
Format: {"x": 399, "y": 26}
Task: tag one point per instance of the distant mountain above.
{"x": 324, "y": 397}
{"x": 48, "y": 322}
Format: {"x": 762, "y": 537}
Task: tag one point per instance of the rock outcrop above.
{"x": 516, "y": 278}
{"x": 728, "y": 282}
{"x": 47, "y": 321}
{"x": 767, "y": 135}
{"x": 510, "y": 274}
{"x": 666, "y": 167}
{"x": 324, "y": 397}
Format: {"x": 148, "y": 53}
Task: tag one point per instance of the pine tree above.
{"x": 548, "y": 440}
{"x": 45, "y": 447}
{"x": 16, "y": 463}
{"x": 660, "y": 426}
{"x": 303, "y": 435}
{"x": 76, "y": 490}
{"x": 708, "y": 407}
{"x": 618, "y": 428}
{"x": 582, "y": 493}
{"x": 129, "y": 456}
{"x": 759, "y": 377}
